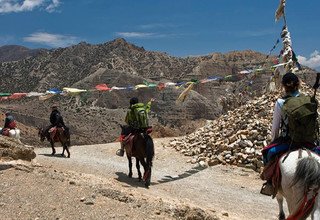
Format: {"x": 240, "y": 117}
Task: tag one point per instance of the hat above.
{"x": 55, "y": 105}
{"x": 134, "y": 100}
{"x": 290, "y": 78}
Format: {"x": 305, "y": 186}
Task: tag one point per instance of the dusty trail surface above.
{"x": 93, "y": 184}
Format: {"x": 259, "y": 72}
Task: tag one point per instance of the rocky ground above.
{"x": 93, "y": 184}
{"x": 235, "y": 138}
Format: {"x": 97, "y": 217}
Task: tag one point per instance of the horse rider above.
{"x": 138, "y": 126}
{"x": 56, "y": 120}
{"x": 282, "y": 139}
{"x": 9, "y": 122}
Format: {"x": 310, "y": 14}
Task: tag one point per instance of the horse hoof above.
{"x": 62, "y": 155}
{"x": 282, "y": 216}
{"x": 68, "y": 156}
{"x": 53, "y": 153}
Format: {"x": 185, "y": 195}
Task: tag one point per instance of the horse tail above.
{"x": 149, "y": 150}
{"x": 307, "y": 173}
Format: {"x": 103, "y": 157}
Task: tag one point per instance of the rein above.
{"x": 306, "y": 206}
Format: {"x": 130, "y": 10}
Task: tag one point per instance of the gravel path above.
{"x": 231, "y": 192}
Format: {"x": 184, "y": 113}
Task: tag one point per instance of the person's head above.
{"x": 54, "y": 107}
{"x": 133, "y": 101}
{"x": 7, "y": 114}
{"x": 290, "y": 82}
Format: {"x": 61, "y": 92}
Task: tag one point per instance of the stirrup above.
{"x": 120, "y": 152}
{"x": 267, "y": 189}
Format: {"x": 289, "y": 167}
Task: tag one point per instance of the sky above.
{"x": 178, "y": 27}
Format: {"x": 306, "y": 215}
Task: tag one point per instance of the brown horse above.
{"x": 57, "y": 135}
{"x": 142, "y": 150}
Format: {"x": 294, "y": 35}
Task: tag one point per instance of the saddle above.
{"x": 53, "y": 133}
{"x": 271, "y": 172}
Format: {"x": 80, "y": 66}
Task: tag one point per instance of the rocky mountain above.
{"x": 119, "y": 63}
{"x": 86, "y": 64}
{"x": 10, "y": 53}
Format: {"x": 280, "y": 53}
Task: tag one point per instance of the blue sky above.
{"x": 177, "y": 27}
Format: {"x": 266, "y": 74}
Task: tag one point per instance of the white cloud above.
{"x": 145, "y": 35}
{"x": 312, "y": 62}
{"x": 9, "y": 6}
{"x": 53, "y": 40}
{"x": 53, "y": 5}
{"x": 135, "y": 34}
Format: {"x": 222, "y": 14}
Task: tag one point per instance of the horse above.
{"x": 13, "y": 133}
{"x": 142, "y": 149}
{"x": 56, "y": 134}
{"x": 300, "y": 183}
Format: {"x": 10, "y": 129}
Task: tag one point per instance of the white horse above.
{"x": 300, "y": 183}
{"x": 14, "y": 133}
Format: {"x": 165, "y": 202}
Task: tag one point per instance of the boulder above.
{"x": 11, "y": 149}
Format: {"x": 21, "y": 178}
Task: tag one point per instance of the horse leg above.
{"x": 65, "y": 147}
{"x": 150, "y": 154}
{"x": 138, "y": 169}
{"x": 52, "y": 146}
{"x": 148, "y": 177}
{"x": 279, "y": 197}
{"x": 147, "y": 173}
{"x": 130, "y": 166}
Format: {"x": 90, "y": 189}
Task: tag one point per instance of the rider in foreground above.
{"x": 137, "y": 119}
{"x": 286, "y": 133}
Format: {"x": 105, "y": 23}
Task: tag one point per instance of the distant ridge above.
{"x": 15, "y": 52}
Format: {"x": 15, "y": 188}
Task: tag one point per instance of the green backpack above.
{"x": 302, "y": 118}
{"x": 141, "y": 116}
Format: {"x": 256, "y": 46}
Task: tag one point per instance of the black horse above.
{"x": 59, "y": 135}
{"x": 142, "y": 150}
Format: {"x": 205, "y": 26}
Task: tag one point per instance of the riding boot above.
{"x": 267, "y": 189}
{"x": 120, "y": 152}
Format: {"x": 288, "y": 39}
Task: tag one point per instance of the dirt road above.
{"x": 231, "y": 192}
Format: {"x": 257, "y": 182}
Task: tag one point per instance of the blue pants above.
{"x": 272, "y": 152}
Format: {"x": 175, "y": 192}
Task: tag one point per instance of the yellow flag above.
{"x": 185, "y": 93}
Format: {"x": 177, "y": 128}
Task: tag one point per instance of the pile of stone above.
{"x": 12, "y": 149}
{"x": 235, "y": 138}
